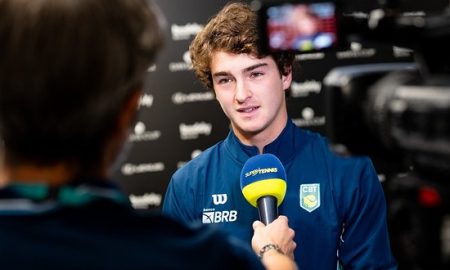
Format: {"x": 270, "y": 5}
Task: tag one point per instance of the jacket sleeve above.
{"x": 178, "y": 201}
{"x": 364, "y": 242}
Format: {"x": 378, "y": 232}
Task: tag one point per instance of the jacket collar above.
{"x": 284, "y": 146}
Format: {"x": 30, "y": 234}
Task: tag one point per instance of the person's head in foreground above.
{"x": 71, "y": 73}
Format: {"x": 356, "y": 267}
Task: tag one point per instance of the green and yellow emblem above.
{"x": 310, "y": 196}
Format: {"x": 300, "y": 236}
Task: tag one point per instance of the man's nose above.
{"x": 242, "y": 92}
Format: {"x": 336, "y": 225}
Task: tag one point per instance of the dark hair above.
{"x": 66, "y": 68}
{"x": 233, "y": 29}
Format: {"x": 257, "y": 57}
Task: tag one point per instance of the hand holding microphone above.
{"x": 263, "y": 184}
{"x": 277, "y": 232}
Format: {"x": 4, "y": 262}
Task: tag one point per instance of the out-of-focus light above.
{"x": 429, "y": 197}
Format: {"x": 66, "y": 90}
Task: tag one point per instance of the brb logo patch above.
{"x": 219, "y": 216}
{"x": 310, "y": 197}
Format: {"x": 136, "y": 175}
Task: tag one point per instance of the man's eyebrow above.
{"x": 250, "y": 68}
{"x": 247, "y": 69}
{"x": 220, "y": 73}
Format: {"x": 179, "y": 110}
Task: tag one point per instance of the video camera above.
{"x": 398, "y": 113}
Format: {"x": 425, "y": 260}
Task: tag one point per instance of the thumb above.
{"x": 257, "y": 224}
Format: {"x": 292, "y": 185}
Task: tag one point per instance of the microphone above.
{"x": 263, "y": 184}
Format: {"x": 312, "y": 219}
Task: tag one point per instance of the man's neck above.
{"x": 263, "y": 138}
{"x": 52, "y": 175}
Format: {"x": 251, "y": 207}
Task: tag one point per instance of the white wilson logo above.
{"x": 219, "y": 198}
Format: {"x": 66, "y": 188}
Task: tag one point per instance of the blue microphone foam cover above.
{"x": 263, "y": 175}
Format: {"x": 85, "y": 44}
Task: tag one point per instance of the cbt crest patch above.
{"x": 310, "y": 197}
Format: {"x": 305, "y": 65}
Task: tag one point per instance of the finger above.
{"x": 294, "y": 246}
{"x": 257, "y": 224}
{"x": 283, "y": 218}
{"x": 291, "y": 233}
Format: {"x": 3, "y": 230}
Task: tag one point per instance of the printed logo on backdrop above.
{"x": 309, "y": 119}
{"x": 310, "y": 197}
{"x": 357, "y": 14}
{"x": 194, "y": 154}
{"x": 310, "y": 56}
{"x": 186, "y": 64}
{"x": 146, "y": 101}
{"x": 185, "y": 32}
{"x": 402, "y": 52}
{"x": 131, "y": 169}
{"x": 152, "y": 68}
{"x": 356, "y": 51}
{"x": 305, "y": 88}
{"x": 211, "y": 215}
{"x": 179, "y": 98}
{"x": 191, "y": 132}
{"x": 146, "y": 200}
{"x": 140, "y": 134}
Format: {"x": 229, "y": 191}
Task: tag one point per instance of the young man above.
{"x": 71, "y": 76}
{"x": 335, "y": 205}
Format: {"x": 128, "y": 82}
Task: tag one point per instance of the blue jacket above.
{"x": 336, "y": 205}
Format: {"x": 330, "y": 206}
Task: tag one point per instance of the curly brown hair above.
{"x": 234, "y": 29}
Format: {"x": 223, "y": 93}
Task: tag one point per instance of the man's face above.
{"x": 251, "y": 92}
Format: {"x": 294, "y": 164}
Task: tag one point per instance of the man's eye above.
{"x": 223, "y": 80}
{"x": 256, "y": 74}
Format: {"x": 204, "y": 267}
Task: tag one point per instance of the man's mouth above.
{"x": 248, "y": 109}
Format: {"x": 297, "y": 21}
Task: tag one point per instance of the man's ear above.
{"x": 286, "y": 78}
{"x": 128, "y": 114}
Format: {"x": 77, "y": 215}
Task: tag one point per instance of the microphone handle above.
{"x": 268, "y": 210}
